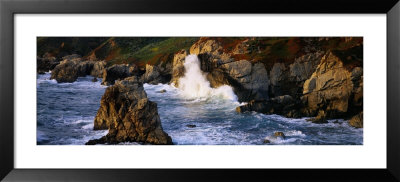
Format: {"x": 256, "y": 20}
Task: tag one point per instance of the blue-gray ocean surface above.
{"x": 65, "y": 114}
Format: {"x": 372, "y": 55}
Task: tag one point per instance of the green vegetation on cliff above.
{"x": 153, "y": 50}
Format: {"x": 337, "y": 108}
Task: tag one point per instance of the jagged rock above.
{"x": 304, "y": 66}
{"x": 217, "y": 78}
{"x": 98, "y": 69}
{"x": 239, "y": 70}
{"x": 357, "y": 120}
{"x": 277, "y": 74}
{"x": 71, "y": 68}
{"x": 279, "y": 134}
{"x": 259, "y": 82}
{"x": 252, "y": 79}
{"x": 129, "y": 115}
{"x": 258, "y": 106}
{"x": 210, "y": 53}
{"x": 283, "y": 105}
{"x": 284, "y": 99}
{"x": 320, "y": 118}
{"x": 118, "y": 72}
{"x": 289, "y": 79}
{"x": 156, "y": 74}
{"x": 178, "y": 70}
{"x": 152, "y": 75}
{"x": 205, "y": 46}
{"x": 329, "y": 88}
{"x": 357, "y": 79}
{"x": 46, "y": 63}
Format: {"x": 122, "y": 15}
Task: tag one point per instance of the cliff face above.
{"x": 317, "y": 82}
{"x": 294, "y": 77}
{"x": 332, "y": 90}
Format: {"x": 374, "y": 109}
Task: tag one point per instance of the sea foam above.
{"x": 194, "y": 84}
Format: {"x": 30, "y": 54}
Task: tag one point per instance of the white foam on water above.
{"x": 88, "y": 126}
{"x": 82, "y": 121}
{"x": 45, "y": 78}
{"x": 194, "y": 84}
{"x": 294, "y": 133}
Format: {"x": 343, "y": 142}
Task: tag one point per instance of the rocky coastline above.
{"x": 317, "y": 82}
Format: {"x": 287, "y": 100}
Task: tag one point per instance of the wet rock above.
{"x": 266, "y": 141}
{"x": 178, "y": 70}
{"x": 94, "y": 79}
{"x": 191, "y": 126}
{"x": 118, "y": 72}
{"x": 71, "y": 68}
{"x": 162, "y": 91}
{"x": 320, "y": 118}
{"x": 279, "y": 134}
{"x": 258, "y": 106}
{"x": 283, "y": 105}
{"x": 357, "y": 120}
{"x": 129, "y": 115}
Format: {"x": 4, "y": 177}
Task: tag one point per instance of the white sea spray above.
{"x": 194, "y": 83}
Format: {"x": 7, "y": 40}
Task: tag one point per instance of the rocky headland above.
{"x": 320, "y": 78}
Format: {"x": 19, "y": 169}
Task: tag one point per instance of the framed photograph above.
{"x": 206, "y": 91}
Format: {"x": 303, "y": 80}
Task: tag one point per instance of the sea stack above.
{"x": 129, "y": 115}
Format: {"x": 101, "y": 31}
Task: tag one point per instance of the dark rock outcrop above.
{"x": 322, "y": 88}
{"x": 191, "y": 126}
{"x": 288, "y": 79}
{"x": 357, "y": 120}
{"x": 282, "y": 105}
{"x": 46, "y": 63}
{"x": 129, "y": 115}
{"x": 118, "y": 72}
{"x": 251, "y": 79}
{"x": 71, "y": 68}
{"x": 156, "y": 74}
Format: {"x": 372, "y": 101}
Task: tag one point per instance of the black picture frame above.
{"x": 9, "y": 8}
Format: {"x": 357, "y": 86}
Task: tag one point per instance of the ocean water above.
{"x": 217, "y": 123}
{"x": 65, "y": 111}
{"x": 192, "y": 114}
